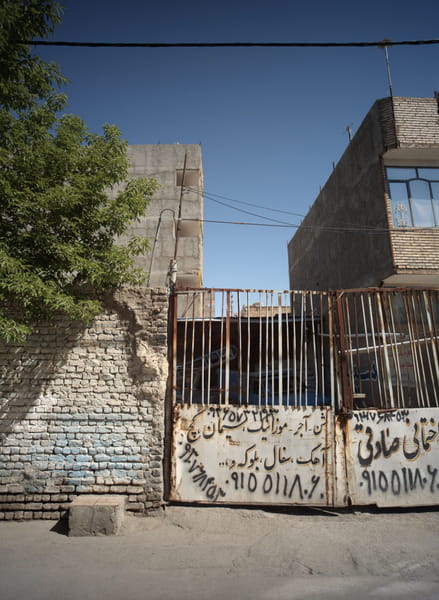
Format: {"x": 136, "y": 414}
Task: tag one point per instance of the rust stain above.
{"x": 345, "y": 443}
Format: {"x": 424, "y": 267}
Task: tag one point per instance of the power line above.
{"x": 380, "y": 44}
{"x": 240, "y": 223}
{"x": 349, "y": 227}
{"x": 247, "y": 212}
{"x": 333, "y": 229}
{"x": 210, "y": 194}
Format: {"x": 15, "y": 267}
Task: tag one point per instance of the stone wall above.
{"x": 82, "y": 409}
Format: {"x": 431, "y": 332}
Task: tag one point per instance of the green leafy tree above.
{"x": 58, "y": 221}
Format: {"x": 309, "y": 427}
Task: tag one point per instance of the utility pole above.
{"x": 384, "y": 46}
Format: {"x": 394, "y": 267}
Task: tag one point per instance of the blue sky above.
{"x": 271, "y": 121}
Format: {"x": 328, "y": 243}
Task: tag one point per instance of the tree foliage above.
{"x": 61, "y": 200}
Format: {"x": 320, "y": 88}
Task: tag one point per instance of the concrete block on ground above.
{"x": 96, "y": 515}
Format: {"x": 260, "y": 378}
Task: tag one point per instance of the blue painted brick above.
{"x": 81, "y": 458}
{"x": 101, "y": 457}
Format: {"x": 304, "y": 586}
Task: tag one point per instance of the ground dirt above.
{"x": 192, "y": 553}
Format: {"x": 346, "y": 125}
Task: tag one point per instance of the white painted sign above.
{"x": 268, "y": 455}
{"x": 393, "y": 457}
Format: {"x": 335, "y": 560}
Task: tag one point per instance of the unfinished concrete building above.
{"x": 172, "y": 222}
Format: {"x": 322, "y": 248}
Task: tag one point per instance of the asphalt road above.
{"x": 192, "y": 553}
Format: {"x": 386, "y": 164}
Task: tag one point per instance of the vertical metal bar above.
{"x": 385, "y": 348}
{"x": 362, "y": 325}
{"x": 347, "y": 400}
{"x": 209, "y": 349}
{"x": 423, "y": 346}
{"x": 395, "y": 352}
{"x": 247, "y": 391}
{"x": 355, "y": 345}
{"x": 173, "y": 303}
{"x": 221, "y": 361}
{"x": 369, "y": 349}
{"x": 416, "y": 322}
{"x": 412, "y": 336}
{"x": 272, "y": 365}
{"x": 203, "y": 346}
{"x": 184, "y": 366}
{"x": 402, "y": 326}
{"x": 305, "y": 348}
{"x": 279, "y": 347}
{"x": 238, "y": 301}
{"x": 381, "y": 396}
{"x": 348, "y": 299}
{"x": 301, "y": 345}
{"x": 335, "y": 392}
{"x": 287, "y": 302}
{"x": 228, "y": 309}
{"x": 192, "y": 351}
{"x": 322, "y": 347}
{"x": 267, "y": 347}
{"x": 294, "y": 348}
{"x": 432, "y": 335}
{"x": 314, "y": 349}
{"x": 260, "y": 351}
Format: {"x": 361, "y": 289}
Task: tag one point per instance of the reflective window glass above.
{"x": 419, "y": 189}
{"x": 429, "y": 173}
{"x": 399, "y": 173}
{"x": 420, "y": 201}
{"x": 400, "y": 204}
{"x": 414, "y": 193}
{"x": 422, "y": 213}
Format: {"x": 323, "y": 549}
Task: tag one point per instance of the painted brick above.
{"x": 85, "y": 418}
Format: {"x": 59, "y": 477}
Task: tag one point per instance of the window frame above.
{"x": 410, "y": 200}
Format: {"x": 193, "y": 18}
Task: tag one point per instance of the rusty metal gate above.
{"x": 296, "y": 397}
{"x": 388, "y": 348}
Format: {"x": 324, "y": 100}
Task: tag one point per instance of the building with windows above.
{"x": 173, "y": 220}
{"x": 376, "y": 220}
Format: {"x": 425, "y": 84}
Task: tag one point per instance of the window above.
{"x": 414, "y": 193}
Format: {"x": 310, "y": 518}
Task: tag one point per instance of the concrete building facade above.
{"x": 172, "y": 221}
{"x": 376, "y": 220}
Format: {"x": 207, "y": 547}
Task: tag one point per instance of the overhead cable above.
{"x": 330, "y": 228}
{"x": 348, "y": 227}
{"x": 379, "y": 44}
{"x": 247, "y": 212}
{"x": 277, "y": 210}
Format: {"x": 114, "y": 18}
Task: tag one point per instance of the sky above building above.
{"x": 272, "y": 122}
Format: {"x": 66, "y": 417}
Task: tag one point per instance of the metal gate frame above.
{"x": 294, "y": 356}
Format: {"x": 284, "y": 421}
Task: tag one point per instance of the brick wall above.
{"x": 82, "y": 409}
{"x": 416, "y": 250}
{"x": 387, "y": 118}
{"x": 416, "y": 122}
